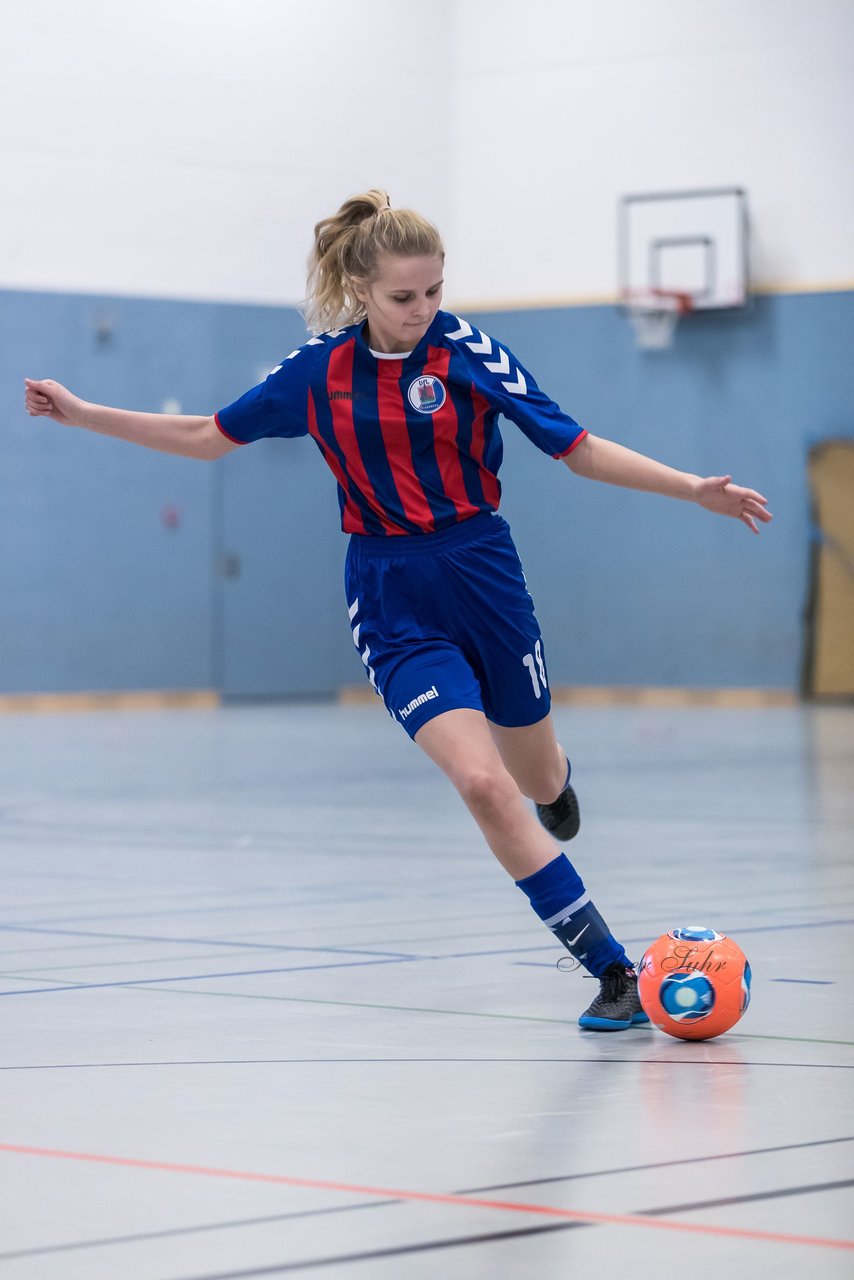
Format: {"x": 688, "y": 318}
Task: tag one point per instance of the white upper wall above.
{"x": 564, "y": 107}
{"x": 185, "y": 148}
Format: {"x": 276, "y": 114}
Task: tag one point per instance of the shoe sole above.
{"x": 611, "y": 1024}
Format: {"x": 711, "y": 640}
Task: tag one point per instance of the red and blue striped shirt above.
{"x": 412, "y": 441}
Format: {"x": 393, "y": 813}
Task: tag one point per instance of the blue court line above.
{"x": 774, "y": 928}
{"x": 394, "y": 958}
{"x": 195, "y": 942}
{"x": 809, "y": 982}
{"x": 685, "y": 1061}
{"x": 645, "y": 941}
{"x": 200, "y": 977}
{"x": 224, "y": 942}
{"x": 472, "y": 955}
{"x": 281, "y": 905}
{"x": 149, "y": 895}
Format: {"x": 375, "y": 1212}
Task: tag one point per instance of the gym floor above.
{"x": 271, "y": 1007}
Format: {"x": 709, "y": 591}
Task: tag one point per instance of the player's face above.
{"x": 402, "y": 301}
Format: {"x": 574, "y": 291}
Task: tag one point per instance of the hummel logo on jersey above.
{"x": 426, "y": 394}
{"x": 346, "y": 395}
{"x": 428, "y": 696}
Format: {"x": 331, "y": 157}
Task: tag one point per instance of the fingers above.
{"x": 754, "y": 509}
{"x": 750, "y": 512}
{"x": 38, "y": 406}
{"x": 748, "y": 494}
{"x": 746, "y": 505}
{"x": 36, "y": 401}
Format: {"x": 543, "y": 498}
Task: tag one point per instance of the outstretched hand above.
{"x": 718, "y": 493}
{"x": 49, "y": 399}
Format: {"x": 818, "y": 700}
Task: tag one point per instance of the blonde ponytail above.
{"x": 347, "y": 247}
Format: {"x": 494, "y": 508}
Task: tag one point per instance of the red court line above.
{"x": 431, "y": 1197}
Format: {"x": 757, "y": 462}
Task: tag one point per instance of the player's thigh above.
{"x": 533, "y": 757}
{"x": 460, "y": 743}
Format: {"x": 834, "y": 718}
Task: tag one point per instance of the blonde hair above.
{"x": 347, "y": 247}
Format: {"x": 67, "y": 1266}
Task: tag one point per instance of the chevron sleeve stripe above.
{"x": 513, "y": 391}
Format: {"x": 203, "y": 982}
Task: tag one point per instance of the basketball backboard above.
{"x": 685, "y": 242}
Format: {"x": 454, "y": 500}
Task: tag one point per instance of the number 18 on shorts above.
{"x": 445, "y": 621}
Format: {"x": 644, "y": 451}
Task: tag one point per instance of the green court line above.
{"x": 406, "y": 1008}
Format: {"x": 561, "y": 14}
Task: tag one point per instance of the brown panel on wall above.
{"x": 829, "y": 668}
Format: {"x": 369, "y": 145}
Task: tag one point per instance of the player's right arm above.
{"x": 183, "y": 434}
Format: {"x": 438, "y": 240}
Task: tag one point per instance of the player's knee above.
{"x": 486, "y": 791}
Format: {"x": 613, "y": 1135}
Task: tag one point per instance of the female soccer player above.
{"x": 403, "y": 402}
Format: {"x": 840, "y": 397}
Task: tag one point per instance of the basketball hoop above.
{"x": 654, "y": 314}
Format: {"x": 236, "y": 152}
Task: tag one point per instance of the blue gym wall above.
{"x": 97, "y": 592}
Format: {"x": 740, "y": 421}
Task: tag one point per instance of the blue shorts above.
{"x": 444, "y": 620}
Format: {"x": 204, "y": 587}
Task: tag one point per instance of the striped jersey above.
{"x": 413, "y": 441}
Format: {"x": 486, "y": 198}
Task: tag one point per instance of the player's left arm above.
{"x": 601, "y": 459}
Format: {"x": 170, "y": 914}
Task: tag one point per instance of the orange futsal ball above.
{"x": 694, "y": 983}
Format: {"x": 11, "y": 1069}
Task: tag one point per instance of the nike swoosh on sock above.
{"x": 570, "y": 942}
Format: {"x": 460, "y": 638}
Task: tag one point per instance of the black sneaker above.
{"x": 561, "y": 818}
{"x": 617, "y": 1005}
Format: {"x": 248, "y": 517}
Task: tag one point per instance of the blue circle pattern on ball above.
{"x": 696, "y": 933}
{"x": 745, "y": 987}
{"x": 687, "y": 996}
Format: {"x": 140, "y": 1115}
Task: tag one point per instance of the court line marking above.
{"x": 749, "y": 1196}
{"x": 226, "y": 949}
{"x": 808, "y": 982}
{"x": 429, "y": 1197}
{"x": 281, "y": 904}
{"x": 451, "y": 955}
{"x": 200, "y": 1228}
{"x": 199, "y": 942}
{"x": 659, "y": 1164}
{"x": 402, "y": 1008}
{"x": 68, "y": 987}
{"x": 417, "y": 922}
{"x": 687, "y": 1061}
{"x": 371, "y": 1255}
{"x": 396, "y": 1251}
{"x": 462, "y": 1013}
{"x": 189, "y": 891}
{"x": 645, "y": 941}
{"x": 33, "y": 973}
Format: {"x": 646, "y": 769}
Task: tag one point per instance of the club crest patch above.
{"x": 426, "y": 394}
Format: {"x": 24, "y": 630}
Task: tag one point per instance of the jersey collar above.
{"x": 419, "y": 351}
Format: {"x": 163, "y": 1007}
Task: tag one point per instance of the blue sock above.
{"x": 557, "y": 894}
